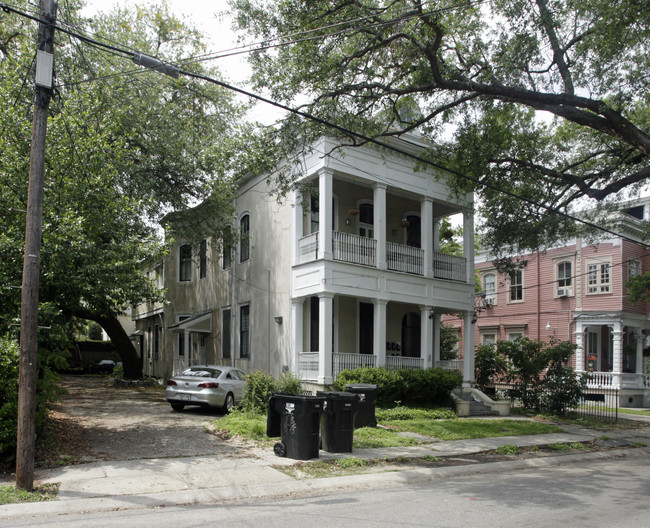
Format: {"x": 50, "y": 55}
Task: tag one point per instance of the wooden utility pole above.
{"x": 31, "y": 264}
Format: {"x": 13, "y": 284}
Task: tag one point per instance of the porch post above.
{"x": 426, "y": 235}
{"x": 296, "y": 227}
{"x": 325, "y": 214}
{"x": 297, "y": 307}
{"x": 468, "y": 246}
{"x": 468, "y": 350}
{"x": 379, "y": 332}
{"x": 617, "y": 354}
{"x": 436, "y": 339}
{"x": 325, "y": 314}
{"x": 380, "y": 223}
{"x": 580, "y": 351}
{"x": 188, "y": 352}
{"x": 426, "y": 335}
{"x": 638, "y": 364}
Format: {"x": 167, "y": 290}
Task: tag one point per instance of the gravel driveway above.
{"x": 119, "y": 422}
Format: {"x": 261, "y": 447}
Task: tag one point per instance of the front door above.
{"x": 366, "y": 326}
{"x": 411, "y": 335}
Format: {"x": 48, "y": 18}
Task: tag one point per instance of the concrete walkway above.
{"x": 150, "y": 483}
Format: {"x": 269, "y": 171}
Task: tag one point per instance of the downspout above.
{"x": 233, "y": 287}
{"x": 539, "y": 301}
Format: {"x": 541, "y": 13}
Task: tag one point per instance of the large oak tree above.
{"x": 546, "y": 99}
{"x": 124, "y": 146}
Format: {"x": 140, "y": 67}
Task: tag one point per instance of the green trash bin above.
{"x": 337, "y": 421}
{"x": 367, "y": 394}
{"x": 296, "y": 419}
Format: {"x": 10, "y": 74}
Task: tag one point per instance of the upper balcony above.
{"x": 356, "y": 249}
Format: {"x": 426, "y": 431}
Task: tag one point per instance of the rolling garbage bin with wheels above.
{"x": 337, "y": 421}
{"x": 367, "y": 394}
{"x": 296, "y": 419}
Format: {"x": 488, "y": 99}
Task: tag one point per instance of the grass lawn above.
{"x": 11, "y": 495}
{"x": 434, "y": 423}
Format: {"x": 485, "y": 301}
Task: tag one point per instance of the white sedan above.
{"x": 208, "y": 386}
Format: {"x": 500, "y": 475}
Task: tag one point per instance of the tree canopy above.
{"x": 545, "y": 99}
{"x": 124, "y": 146}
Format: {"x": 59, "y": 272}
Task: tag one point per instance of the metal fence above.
{"x": 601, "y": 403}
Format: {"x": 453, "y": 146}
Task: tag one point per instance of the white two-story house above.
{"x": 346, "y": 275}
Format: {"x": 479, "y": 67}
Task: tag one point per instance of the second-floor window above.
{"x": 490, "y": 288}
{"x": 633, "y": 268}
{"x": 564, "y": 278}
{"x": 598, "y": 277}
{"x": 366, "y": 220}
{"x": 244, "y": 240}
{"x": 203, "y": 259}
{"x": 185, "y": 263}
{"x": 516, "y": 286}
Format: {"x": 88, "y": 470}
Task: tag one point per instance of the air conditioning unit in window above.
{"x": 563, "y": 292}
{"x": 489, "y": 302}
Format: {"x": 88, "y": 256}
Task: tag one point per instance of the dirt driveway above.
{"x": 117, "y": 422}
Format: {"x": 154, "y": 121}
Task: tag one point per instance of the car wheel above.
{"x": 178, "y": 407}
{"x": 229, "y": 403}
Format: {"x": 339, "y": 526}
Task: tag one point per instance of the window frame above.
{"x": 203, "y": 259}
{"x": 185, "y": 263}
{"x": 490, "y": 298}
{"x": 599, "y": 286}
{"x": 558, "y": 264}
{"x": 519, "y": 286}
{"x": 634, "y": 268}
{"x": 245, "y": 237}
{"x": 244, "y": 331}
{"x": 226, "y": 333}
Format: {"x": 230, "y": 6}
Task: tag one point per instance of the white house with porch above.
{"x": 348, "y": 274}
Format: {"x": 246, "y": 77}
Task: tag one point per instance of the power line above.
{"x": 347, "y": 132}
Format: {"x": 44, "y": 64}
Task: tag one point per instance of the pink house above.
{"x": 577, "y": 292}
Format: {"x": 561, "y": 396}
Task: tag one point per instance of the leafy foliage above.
{"x": 260, "y": 386}
{"x": 544, "y": 100}
{"x": 418, "y": 387}
{"x": 539, "y": 371}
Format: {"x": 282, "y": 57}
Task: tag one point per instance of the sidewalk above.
{"x": 150, "y": 483}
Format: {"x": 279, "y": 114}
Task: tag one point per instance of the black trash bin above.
{"x": 337, "y": 421}
{"x": 367, "y": 394}
{"x": 296, "y": 419}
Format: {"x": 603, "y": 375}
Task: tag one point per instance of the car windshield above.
{"x": 202, "y": 372}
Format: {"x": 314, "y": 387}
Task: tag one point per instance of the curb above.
{"x": 296, "y": 488}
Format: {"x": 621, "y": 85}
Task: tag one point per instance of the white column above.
{"x": 468, "y": 350}
{"x": 325, "y": 314}
{"x": 426, "y": 335}
{"x": 638, "y": 365}
{"x": 580, "y": 347}
{"x": 468, "y": 245}
{"x": 379, "y": 332}
{"x": 325, "y": 213}
{"x": 426, "y": 235}
{"x": 296, "y": 227}
{"x": 436, "y": 339}
{"x": 379, "y": 205}
{"x": 617, "y": 353}
{"x": 297, "y": 307}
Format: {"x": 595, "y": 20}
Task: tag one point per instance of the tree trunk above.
{"x": 123, "y": 346}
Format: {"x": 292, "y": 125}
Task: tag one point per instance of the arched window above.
{"x": 244, "y": 238}
{"x": 366, "y": 220}
{"x": 490, "y": 287}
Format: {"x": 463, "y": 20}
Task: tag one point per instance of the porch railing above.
{"x": 351, "y": 361}
{"x": 404, "y": 258}
{"x": 354, "y": 249}
{"x": 308, "y": 365}
{"x": 450, "y": 364}
{"x": 449, "y": 267}
{"x": 308, "y": 248}
{"x": 600, "y": 379}
{"x": 401, "y": 362}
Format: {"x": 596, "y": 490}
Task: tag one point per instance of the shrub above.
{"x": 489, "y": 364}
{"x": 261, "y": 386}
{"x": 420, "y": 387}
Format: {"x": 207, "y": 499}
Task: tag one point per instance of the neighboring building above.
{"x": 349, "y": 276}
{"x": 577, "y": 292}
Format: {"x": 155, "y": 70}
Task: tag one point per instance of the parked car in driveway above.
{"x": 105, "y": 366}
{"x": 208, "y": 386}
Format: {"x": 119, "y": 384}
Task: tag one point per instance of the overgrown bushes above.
{"x": 47, "y": 390}
{"x": 537, "y": 371}
{"x": 260, "y": 386}
{"x": 409, "y": 387}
